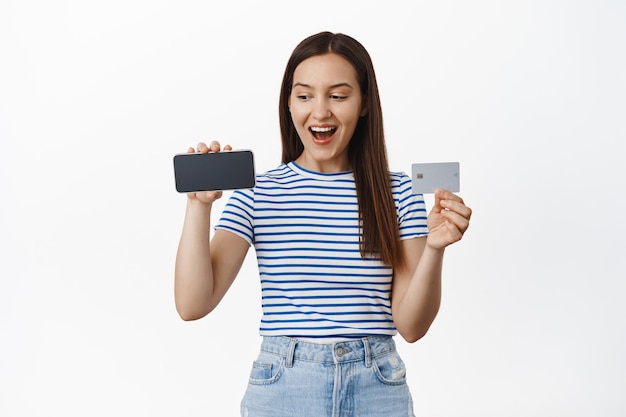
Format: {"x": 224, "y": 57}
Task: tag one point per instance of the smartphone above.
{"x": 225, "y": 170}
{"x": 427, "y": 177}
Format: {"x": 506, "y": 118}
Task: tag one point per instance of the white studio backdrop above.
{"x": 96, "y": 98}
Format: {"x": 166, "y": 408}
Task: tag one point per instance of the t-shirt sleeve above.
{"x": 412, "y": 214}
{"x": 238, "y": 215}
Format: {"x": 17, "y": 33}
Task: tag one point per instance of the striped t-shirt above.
{"x": 305, "y": 230}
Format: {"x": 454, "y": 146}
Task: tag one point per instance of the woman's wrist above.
{"x": 434, "y": 249}
{"x": 198, "y": 212}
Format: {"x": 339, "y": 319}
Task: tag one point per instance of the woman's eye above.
{"x": 303, "y": 97}
{"x": 338, "y": 97}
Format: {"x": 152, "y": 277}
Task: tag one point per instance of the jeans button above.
{"x": 342, "y": 351}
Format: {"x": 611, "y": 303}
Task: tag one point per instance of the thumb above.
{"x": 437, "y": 207}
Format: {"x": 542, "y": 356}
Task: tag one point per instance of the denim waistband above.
{"x": 347, "y": 351}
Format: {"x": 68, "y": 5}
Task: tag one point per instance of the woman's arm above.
{"x": 204, "y": 269}
{"x": 416, "y": 290}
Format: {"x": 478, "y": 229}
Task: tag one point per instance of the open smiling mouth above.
{"x": 322, "y": 133}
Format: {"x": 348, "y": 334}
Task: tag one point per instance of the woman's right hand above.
{"x": 207, "y": 197}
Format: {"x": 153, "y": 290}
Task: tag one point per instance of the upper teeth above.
{"x": 321, "y": 129}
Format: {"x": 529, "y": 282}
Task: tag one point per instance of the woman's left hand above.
{"x": 448, "y": 220}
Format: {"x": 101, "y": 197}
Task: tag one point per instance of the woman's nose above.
{"x": 321, "y": 109}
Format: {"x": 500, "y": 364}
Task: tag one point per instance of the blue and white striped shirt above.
{"x": 305, "y": 229}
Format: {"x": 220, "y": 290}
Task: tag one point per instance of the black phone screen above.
{"x": 226, "y": 170}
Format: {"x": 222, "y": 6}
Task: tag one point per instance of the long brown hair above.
{"x": 367, "y": 151}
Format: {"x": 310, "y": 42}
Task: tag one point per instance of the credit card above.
{"x": 427, "y": 177}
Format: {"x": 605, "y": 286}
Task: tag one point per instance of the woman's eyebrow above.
{"x": 332, "y": 86}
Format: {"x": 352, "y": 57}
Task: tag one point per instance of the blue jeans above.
{"x": 359, "y": 378}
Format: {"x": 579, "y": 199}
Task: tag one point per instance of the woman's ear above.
{"x": 363, "y": 111}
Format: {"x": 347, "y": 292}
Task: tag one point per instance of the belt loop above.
{"x": 368, "y": 353}
{"x": 290, "y": 353}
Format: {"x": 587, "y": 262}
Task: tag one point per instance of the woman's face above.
{"x": 325, "y": 106}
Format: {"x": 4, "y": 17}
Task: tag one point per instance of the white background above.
{"x": 96, "y": 97}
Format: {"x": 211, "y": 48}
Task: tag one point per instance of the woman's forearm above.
{"x": 416, "y": 310}
{"x": 193, "y": 282}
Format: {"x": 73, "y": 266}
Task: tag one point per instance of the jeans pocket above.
{"x": 390, "y": 369}
{"x": 266, "y": 369}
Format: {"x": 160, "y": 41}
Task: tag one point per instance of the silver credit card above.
{"x": 427, "y": 177}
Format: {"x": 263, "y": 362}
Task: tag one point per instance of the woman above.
{"x": 347, "y": 255}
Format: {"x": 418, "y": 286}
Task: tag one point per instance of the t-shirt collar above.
{"x": 321, "y": 176}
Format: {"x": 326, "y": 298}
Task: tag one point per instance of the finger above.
{"x": 460, "y": 222}
{"x": 205, "y": 196}
{"x": 215, "y": 146}
{"x": 455, "y": 233}
{"x": 444, "y": 234}
{"x": 458, "y": 207}
{"x": 228, "y": 148}
{"x": 210, "y": 196}
{"x": 202, "y": 147}
{"x": 442, "y": 195}
{"x": 191, "y": 150}
{"x": 447, "y": 195}
{"x": 437, "y": 207}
